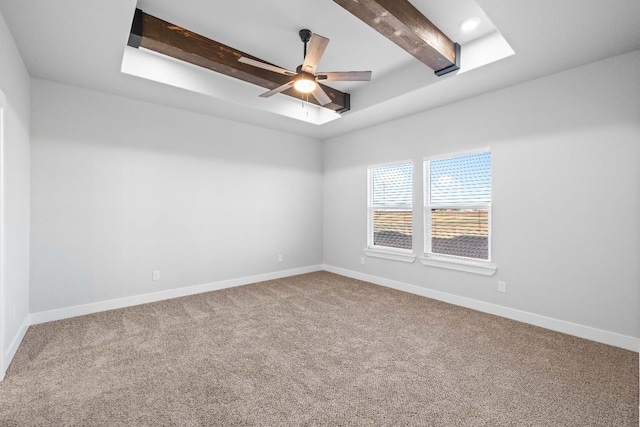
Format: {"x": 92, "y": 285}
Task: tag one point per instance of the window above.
{"x": 458, "y": 208}
{"x": 390, "y": 224}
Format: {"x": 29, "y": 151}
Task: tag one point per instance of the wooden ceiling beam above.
{"x": 172, "y": 40}
{"x": 406, "y": 26}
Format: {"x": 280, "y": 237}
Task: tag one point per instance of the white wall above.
{"x": 121, "y": 188}
{"x": 566, "y": 194}
{"x": 14, "y": 83}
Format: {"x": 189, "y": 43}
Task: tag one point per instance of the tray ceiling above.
{"x": 85, "y": 44}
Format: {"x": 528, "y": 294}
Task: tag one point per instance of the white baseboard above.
{"x": 581, "y": 331}
{"x": 80, "y": 310}
{"x": 593, "y": 334}
{"x": 13, "y": 347}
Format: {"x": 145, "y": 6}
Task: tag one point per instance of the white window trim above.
{"x": 385, "y": 252}
{"x": 469, "y": 265}
{"x": 485, "y": 268}
{"x": 401, "y": 255}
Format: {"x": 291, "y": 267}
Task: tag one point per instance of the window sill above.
{"x": 479, "y": 267}
{"x": 392, "y": 255}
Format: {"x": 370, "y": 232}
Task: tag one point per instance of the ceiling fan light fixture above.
{"x": 305, "y": 83}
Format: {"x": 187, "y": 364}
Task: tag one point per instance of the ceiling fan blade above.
{"x": 315, "y": 50}
{"x": 345, "y": 76}
{"x": 322, "y": 97}
{"x": 277, "y": 90}
{"x": 266, "y": 66}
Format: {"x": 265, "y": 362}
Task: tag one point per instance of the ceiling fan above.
{"x": 305, "y": 79}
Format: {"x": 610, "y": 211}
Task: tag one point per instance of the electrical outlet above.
{"x": 279, "y": 258}
{"x": 361, "y": 260}
{"x": 155, "y": 275}
{"x": 502, "y": 287}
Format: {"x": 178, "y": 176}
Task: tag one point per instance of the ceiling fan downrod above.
{"x": 305, "y": 36}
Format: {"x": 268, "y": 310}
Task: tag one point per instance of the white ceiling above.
{"x": 82, "y": 42}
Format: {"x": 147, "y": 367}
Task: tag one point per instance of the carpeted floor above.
{"x": 316, "y": 349}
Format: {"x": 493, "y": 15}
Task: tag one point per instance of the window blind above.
{"x": 391, "y": 206}
{"x": 458, "y": 205}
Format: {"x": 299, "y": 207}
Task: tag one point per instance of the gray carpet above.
{"x": 316, "y": 349}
